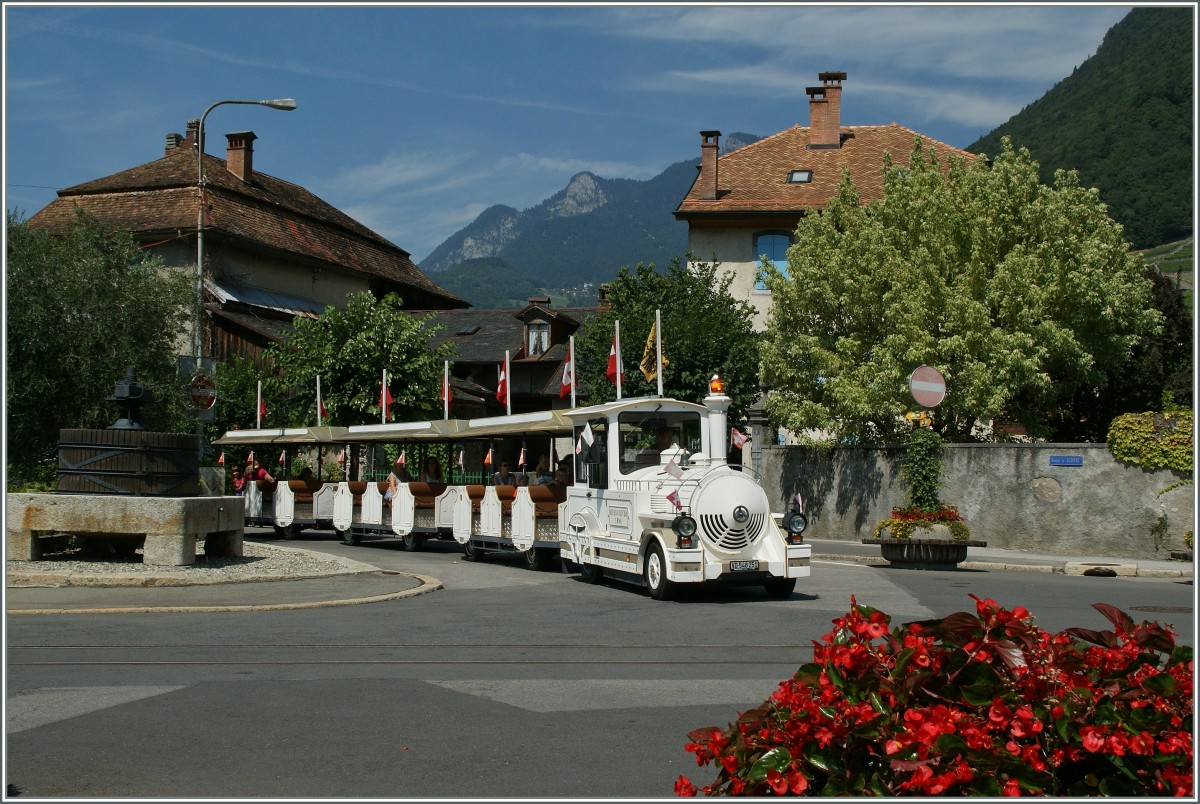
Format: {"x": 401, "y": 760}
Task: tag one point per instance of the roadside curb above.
{"x": 426, "y": 585}
{"x": 1124, "y": 570}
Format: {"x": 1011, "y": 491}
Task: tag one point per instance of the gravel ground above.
{"x": 259, "y": 562}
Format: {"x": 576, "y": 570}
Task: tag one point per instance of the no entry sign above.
{"x": 927, "y": 386}
{"x": 203, "y": 391}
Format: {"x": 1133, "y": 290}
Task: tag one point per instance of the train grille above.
{"x": 729, "y": 535}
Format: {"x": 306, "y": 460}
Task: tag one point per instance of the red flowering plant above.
{"x": 983, "y": 704}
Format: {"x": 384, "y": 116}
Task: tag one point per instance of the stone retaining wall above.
{"x": 1066, "y": 499}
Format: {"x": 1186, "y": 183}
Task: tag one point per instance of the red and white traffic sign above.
{"x": 927, "y": 386}
{"x": 203, "y": 391}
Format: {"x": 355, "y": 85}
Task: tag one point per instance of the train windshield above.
{"x": 645, "y": 435}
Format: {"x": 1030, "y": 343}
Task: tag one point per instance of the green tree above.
{"x": 1025, "y": 296}
{"x": 80, "y": 309}
{"x": 705, "y": 331}
{"x": 349, "y": 348}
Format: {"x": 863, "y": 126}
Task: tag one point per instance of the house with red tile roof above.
{"x": 272, "y": 249}
{"x": 746, "y": 203}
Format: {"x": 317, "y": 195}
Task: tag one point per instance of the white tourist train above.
{"x": 649, "y": 498}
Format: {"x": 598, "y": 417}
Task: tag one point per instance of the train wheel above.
{"x": 412, "y": 542}
{"x": 656, "y": 574}
{"x": 470, "y": 551}
{"x": 349, "y": 536}
{"x": 780, "y": 588}
{"x": 591, "y": 573}
{"x": 535, "y": 559}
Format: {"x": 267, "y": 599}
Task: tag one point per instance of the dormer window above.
{"x": 537, "y": 338}
{"x": 799, "y": 176}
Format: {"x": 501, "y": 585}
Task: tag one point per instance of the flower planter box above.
{"x": 925, "y": 553}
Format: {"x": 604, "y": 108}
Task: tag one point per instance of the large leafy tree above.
{"x": 81, "y": 308}
{"x": 349, "y": 348}
{"x": 1025, "y": 296}
{"x": 705, "y": 331}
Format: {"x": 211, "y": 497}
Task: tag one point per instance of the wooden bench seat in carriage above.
{"x": 303, "y": 501}
{"x": 348, "y": 504}
{"x": 535, "y": 514}
{"x": 260, "y": 502}
{"x": 489, "y": 513}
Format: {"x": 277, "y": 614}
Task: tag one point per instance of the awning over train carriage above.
{"x": 284, "y": 435}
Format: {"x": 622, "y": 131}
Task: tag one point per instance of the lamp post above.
{"x": 284, "y": 104}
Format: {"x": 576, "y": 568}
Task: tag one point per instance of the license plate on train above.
{"x": 735, "y": 566}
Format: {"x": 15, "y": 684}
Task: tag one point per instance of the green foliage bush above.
{"x": 1153, "y": 440}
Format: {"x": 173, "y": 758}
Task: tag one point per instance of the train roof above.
{"x": 636, "y": 404}
{"x": 284, "y": 435}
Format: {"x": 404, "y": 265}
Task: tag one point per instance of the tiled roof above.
{"x": 159, "y": 197}
{"x": 487, "y": 333}
{"x": 753, "y": 179}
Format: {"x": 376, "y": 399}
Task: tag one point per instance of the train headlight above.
{"x": 685, "y": 531}
{"x": 795, "y": 523}
{"x": 716, "y": 385}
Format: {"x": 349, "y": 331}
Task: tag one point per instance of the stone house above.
{"x": 746, "y": 203}
{"x": 272, "y": 249}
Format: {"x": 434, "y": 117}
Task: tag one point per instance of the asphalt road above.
{"x": 504, "y": 684}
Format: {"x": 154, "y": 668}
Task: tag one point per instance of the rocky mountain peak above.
{"x": 581, "y": 196}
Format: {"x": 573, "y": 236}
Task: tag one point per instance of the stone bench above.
{"x": 171, "y": 525}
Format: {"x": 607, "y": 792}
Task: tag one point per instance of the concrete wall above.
{"x": 1010, "y": 495}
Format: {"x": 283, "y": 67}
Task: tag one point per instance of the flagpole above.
{"x": 318, "y": 400}
{"x": 258, "y": 408}
{"x": 383, "y": 399}
{"x": 658, "y": 347}
{"x": 617, "y": 342}
{"x": 572, "y": 357}
{"x": 446, "y": 390}
{"x": 507, "y": 385}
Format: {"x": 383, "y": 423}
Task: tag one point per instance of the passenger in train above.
{"x": 433, "y": 471}
{"x": 542, "y": 471}
{"x": 398, "y": 475}
{"x": 504, "y": 477}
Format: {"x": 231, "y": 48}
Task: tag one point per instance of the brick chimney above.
{"x": 193, "y": 132}
{"x": 239, "y": 155}
{"x": 709, "y": 143}
{"x": 825, "y": 111}
{"x": 174, "y": 141}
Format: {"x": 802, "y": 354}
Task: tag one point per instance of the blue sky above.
{"x": 414, "y": 119}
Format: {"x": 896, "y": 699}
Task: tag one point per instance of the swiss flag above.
{"x": 738, "y": 439}
{"x": 502, "y": 389}
{"x": 262, "y": 408}
{"x": 385, "y": 400}
{"x": 614, "y": 364}
{"x": 446, "y": 395}
{"x": 324, "y": 411}
{"x": 568, "y": 375}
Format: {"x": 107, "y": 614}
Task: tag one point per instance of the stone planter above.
{"x": 936, "y": 551}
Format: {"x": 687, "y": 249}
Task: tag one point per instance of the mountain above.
{"x": 582, "y": 235}
{"x": 1123, "y": 119}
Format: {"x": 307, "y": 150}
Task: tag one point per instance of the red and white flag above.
{"x": 221, "y": 460}
{"x": 502, "y": 388}
{"x": 385, "y": 399}
{"x": 674, "y": 469}
{"x": 283, "y": 457}
{"x": 521, "y": 457}
{"x": 460, "y": 459}
{"x": 487, "y": 459}
{"x": 739, "y": 440}
{"x": 673, "y": 499}
{"x": 586, "y": 439}
{"x": 447, "y": 396}
{"x": 341, "y": 458}
{"x": 615, "y": 370}
{"x": 568, "y": 375}
{"x": 250, "y": 457}
{"x": 261, "y": 413}
{"x": 403, "y": 459}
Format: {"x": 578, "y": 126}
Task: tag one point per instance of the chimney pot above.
{"x": 174, "y": 140}
{"x": 239, "y": 155}
{"x": 709, "y": 146}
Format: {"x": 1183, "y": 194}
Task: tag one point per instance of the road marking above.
{"x": 41, "y": 707}
{"x": 578, "y": 695}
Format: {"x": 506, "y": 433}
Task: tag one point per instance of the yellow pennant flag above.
{"x": 649, "y": 365}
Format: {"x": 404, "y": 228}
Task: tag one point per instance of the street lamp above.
{"x": 284, "y": 104}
